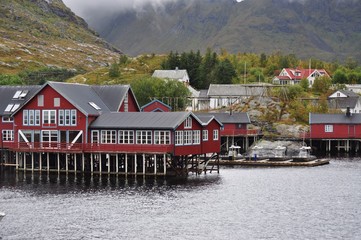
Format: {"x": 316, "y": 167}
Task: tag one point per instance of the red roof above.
{"x": 298, "y": 74}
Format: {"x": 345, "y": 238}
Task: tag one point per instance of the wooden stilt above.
{"x": 32, "y": 161}
{"x": 24, "y": 159}
{"x": 143, "y": 164}
{"x": 82, "y": 162}
{"x": 91, "y": 163}
{"x": 135, "y": 164}
{"x": 126, "y": 163}
{"x": 155, "y": 164}
{"x": 75, "y": 163}
{"x": 100, "y": 163}
{"x": 47, "y": 162}
{"x": 164, "y": 164}
{"x": 66, "y": 163}
{"x": 40, "y": 162}
{"x": 17, "y": 160}
{"x": 109, "y": 161}
{"x": 58, "y": 158}
{"x": 117, "y": 163}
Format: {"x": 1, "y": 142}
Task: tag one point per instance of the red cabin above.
{"x": 156, "y": 106}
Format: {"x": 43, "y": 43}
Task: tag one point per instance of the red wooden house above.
{"x": 75, "y": 127}
{"x": 342, "y": 131}
{"x": 156, "y": 106}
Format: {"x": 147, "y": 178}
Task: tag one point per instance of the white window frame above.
{"x": 31, "y": 118}
{"x": 126, "y": 137}
{"x": 8, "y": 135}
{"x": 56, "y": 102}
{"x": 188, "y": 123}
{"x": 51, "y": 117}
{"x": 25, "y": 117}
{"x": 205, "y": 135}
{"x": 108, "y": 136}
{"x": 73, "y": 117}
{"x": 37, "y": 118}
{"x": 51, "y": 134}
{"x": 40, "y": 100}
{"x": 61, "y": 117}
{"x": 196, "y": 137}
{"x": 188, "y": 137}
{"x": 67, "y": 117}
{"x": 144, "y": 137}
{"x": 6, "y": 119}
{"x": 178, "y": 138}
{"x": 215, "y": 134}
{"x": 95, "y": 135}
{"x": 328, "y": 128}
{"x": 162, "y": 137}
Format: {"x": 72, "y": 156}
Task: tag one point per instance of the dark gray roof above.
{"x": 343, "y": 102}
{"x": 7, "y": 93}
{"x": 236, "y": 117}
{"x": 349, "y": 93}
{"x": 317, "y": 118}
{"x": 80, "y": 96}
{"x": 203, "y": 93}
{"x": 140, "y": 120}
{"x": 112, "y": 95}
{"x": 234, "y": 90}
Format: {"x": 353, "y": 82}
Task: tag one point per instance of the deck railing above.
{"x": 240, "y": 132}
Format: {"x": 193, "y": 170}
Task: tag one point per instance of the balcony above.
{"x": 240, "y": 132}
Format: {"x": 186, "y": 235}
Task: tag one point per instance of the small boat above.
{"x": 304, "y": 155}
{"x": 2, "y": 215}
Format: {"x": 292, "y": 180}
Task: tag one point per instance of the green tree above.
{"x": 114, "y": 71}
{"x": 10, "y": 80}
{"x": 339, "y": 76}
{"x": 171, "y": 92}
{"x": 223, "y": 73}
{"x": 304, "y": 84}
{"x": 321, "y": 84}
{"x": 209, "y": 62}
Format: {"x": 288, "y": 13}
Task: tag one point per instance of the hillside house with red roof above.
{"x": 292, "y": 76}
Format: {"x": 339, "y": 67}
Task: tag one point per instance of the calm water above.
{"x": 240, "y": 203}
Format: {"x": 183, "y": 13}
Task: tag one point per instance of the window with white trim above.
{"x": 8, "y": 135}
{"x": 95, "y": 136}
{"x": 144, "y": 137}
{"x": 37, "y": 117}
{"x": 6, "y": 119}
{"x": 56, "y": 102}
{"x": 31, "y": 117}
{"x": 188, "y": 123}
{"x": 25, "y": 117}
{"x": 67, "y": 117}
{"x": 73, "y": 117}
{"x": 126, "y": 137}
{"x": 40, "y": 100}
{"x": 188, "y": 140}
{"x": 196, "y": 137}
{"x": 49, "y": 117}
{"x": 161, "y": 137}
{"x": 215, "y": 135}
{"x": 205, "y": 135}
{"x": 61, "y": 118}
{"x": 108, "y": 136}
{"x": 179, "y": 138}
{"x": 48, "y": 136}
{"x": 328, "y": 128}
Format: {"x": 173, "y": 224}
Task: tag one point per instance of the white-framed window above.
{"x": 95, "y": 136}
{"x": 37, "y": 117}
{"x": 126, "y": 137}
{"x": 48, "y": 136}
{"x": 31, "y": 117}
{"x": 328, "y": 128}
{"x": 179, "y": 138}
{"x": 61, "y": 118}
{"x": 188, "y": 138}
{"x": 7, "y": 119}
{"x": 215, "y": 134}
{"x": 205, "y": 135}
{"x": 108, "y": 136}
{"x": 25, "y": 117}
{"x": 73, "y": 117}
{"x": 144, "y": 137}
{"x": 188, "y": 123}
{"x": 49, "y": 117}
{"x": 8, "y": 135}
{"x": 67, "y": 117}
{"x": 161, "y": 137}
{"x": 126, "y": 104}
{"x": 196, "y": 137}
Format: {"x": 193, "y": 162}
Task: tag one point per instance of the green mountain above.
{"x": 45, "y": 33}
{"x": 325, "y": 29}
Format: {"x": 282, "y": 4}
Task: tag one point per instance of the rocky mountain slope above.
{"x": 324, "y": 29}
{"x": 43, "y": 33}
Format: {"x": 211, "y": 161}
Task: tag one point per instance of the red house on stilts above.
{"x": 77, "y": 127}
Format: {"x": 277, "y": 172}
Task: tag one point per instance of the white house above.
{"x": 176, "y": 74}
{"x": 343, "y": 99}
{"x": 291, "y": 76}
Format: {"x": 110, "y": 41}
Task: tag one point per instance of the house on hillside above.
{"x": 292, "y": 76}
{"x": 344, "y": 99}
{"x": 180, "y": 75}
{"x": 225, "y": 95}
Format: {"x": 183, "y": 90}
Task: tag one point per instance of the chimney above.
{"x": 348, "y": 112}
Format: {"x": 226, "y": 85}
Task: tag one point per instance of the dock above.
{"x": 274, "y": 163}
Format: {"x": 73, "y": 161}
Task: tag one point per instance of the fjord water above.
{"x": 239, "y": 203}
